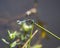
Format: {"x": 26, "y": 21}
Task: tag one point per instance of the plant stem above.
{"x": 30, "y": 39}
{"x": 47, "y": 31}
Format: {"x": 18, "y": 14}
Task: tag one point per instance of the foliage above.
{"x": 19, "y": 38}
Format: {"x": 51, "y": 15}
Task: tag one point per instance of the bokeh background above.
{"x": 48, "y": 11}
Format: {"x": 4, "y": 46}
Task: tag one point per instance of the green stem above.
{"x": 30, "y": 37}
{"x": 47, "y": 31}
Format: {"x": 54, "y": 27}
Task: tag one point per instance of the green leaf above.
{"x": 5, "y": 41}
{"x": 26, "y": 27}
{"x": 12, "y": 35}
{"x": 13, "y": 44}
{"x": 37, "y": 46}
{"x": 22, "y": 37}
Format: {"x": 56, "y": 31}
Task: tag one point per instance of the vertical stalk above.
{"x": 30, "y": 38}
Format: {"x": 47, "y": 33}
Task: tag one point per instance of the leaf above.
{"x": 22, "y": 37}
{"x": 13, "y": 44}
{"x": 27, "y": 25}
{"x": 12, "y": 35}
{"x": 5, "y": 41}
{"x": 37, "y": 46}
